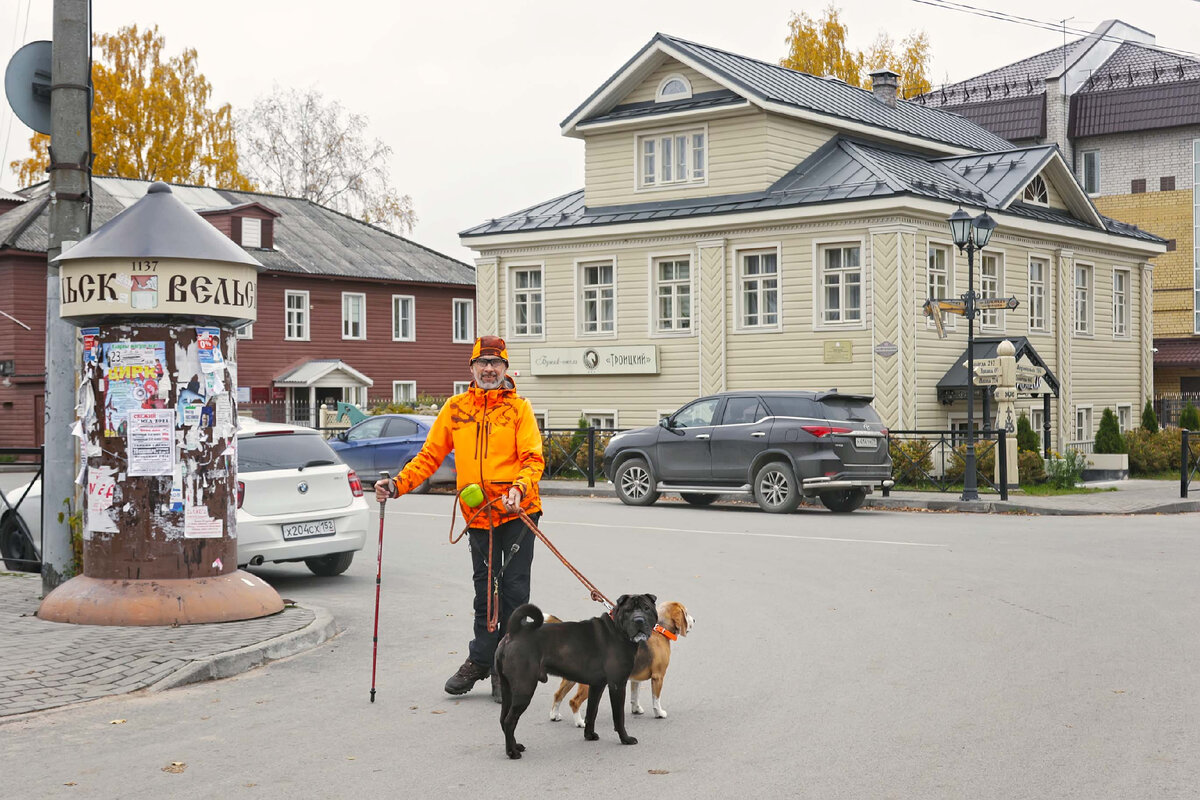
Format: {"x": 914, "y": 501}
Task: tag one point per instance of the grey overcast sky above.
{"x": 469, "y": 93}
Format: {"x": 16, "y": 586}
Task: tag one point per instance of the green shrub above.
{"x": 1032, "y": 467}
{"x": 1064, "y": 470}
{"x": 1027, "y": 437}
{"x": 1189, "y": 418}
{"x": 985, "y": 462}
{"x": 1149, "y": 419}
{"x": 1108, "y": 436}
{"x": 1153, "y": 453}
{"x": 911, "y": 460}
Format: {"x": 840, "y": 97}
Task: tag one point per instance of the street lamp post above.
{"x": 970, "y": 235}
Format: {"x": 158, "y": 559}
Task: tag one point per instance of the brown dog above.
{"x": 650, "y": 664}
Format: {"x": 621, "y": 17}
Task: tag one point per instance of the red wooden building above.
{"x": 346, "y": 311}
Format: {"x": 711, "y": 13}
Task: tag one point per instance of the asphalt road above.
{"x": 876, "y": 655}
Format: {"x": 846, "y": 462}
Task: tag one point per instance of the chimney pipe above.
{"x": 883, "y": 86}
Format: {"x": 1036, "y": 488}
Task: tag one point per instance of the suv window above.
{"x": 283, "y": 451}
{"x": 741, "y": 410}
{"x": 851, "y": 409}
{"x": 794, "y": 407}
{"x": 697, "y": 415}
{"x": 371, "y": 429}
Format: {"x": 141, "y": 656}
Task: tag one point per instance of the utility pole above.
{"x": 70, "y": 167}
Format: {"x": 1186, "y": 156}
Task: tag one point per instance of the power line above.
{"x": 1044, "y": 25}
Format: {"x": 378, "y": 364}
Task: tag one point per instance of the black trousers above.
{"x": 514, "y": 583}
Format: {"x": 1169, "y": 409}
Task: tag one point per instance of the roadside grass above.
{"x": 1031, "y": 490}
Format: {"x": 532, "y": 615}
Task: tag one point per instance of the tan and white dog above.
{"x": 650, "y": 664}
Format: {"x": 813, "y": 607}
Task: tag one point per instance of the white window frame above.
{"x": 821, "y": 247}
{"x": 655, "y": 260}
{"x": 362, "y": 310}
{"x": 1083, "y": 327}
{"x": 460, "y": 387}
{"x": 1036, "y": 418}
{"x": 467, "y": 336}
{"x": 397, "y": 334}
{"x": 659, "y": 97}
{"x": 1083, "y": 412}
{"x": 739, "y": 281}
{"x": 1121, "y": 306}
{"x": 664, "y": 178}
{"x": 582, "y": 299}
{"x": 514, "y": 298}
{"x": 1045, "y": 284}
{"x": 994, "y": 319}
{"x": 543, "y": 419}
{"x": 245, "y": 331}
{"x": 1034, "y": 183}
{"x": 401, "y": 385}
{"x": 1083, "y": 170}
{"x": 1124, "y": 417}
{"x": 588, "y": 414}
{"x": 252, "y": 224}
{"x": 949, "y": 321}
{"x": 302, "y": 316}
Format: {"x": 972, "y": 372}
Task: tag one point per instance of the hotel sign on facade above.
{"x": 631, "y": 359}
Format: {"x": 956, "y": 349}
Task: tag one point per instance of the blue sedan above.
{"x": 389, "y": 442}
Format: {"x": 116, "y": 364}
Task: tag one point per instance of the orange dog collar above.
{"x": 673, "y": 637}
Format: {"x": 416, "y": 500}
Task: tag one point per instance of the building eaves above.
{"x": 650, "y": 108}
{"x": 1139, "y": 108}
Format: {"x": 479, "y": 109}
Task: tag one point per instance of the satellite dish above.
{"x": 27, "y": 85}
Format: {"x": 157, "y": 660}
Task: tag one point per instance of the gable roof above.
{"x": 786, "y": 91}
{"x": 845, "y": 169}
{"x": 309, "y": 238}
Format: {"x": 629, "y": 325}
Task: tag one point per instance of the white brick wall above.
{"x": 1147, "y": 154}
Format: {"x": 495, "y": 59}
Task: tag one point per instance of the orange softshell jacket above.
{"x": 496, "y": 444}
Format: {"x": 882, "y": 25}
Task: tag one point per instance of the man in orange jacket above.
{"x": 497, "y": 445}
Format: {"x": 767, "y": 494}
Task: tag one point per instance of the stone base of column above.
{"x": 177, "y": 601}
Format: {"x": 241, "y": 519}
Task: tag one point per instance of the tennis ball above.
{"x": 472, "y": 495}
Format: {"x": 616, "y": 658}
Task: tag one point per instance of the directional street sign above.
{"x": 1009, "y": 303}
{"x": 987, "y": 374}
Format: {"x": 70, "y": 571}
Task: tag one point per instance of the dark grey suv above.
{"x": 778, "y": 446}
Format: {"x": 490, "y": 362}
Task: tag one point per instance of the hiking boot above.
{"x": 496, "y": 698}
{"x": 462, "y": 681}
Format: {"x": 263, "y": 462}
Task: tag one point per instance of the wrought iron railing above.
{"x": 936, "y": 460}
{"x": 575, "y": 453}
{"x": 1189, "y": 461}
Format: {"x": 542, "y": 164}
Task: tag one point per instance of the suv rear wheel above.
{"x": 776, "y": 488}
{"x": 694, "y": 499}
{"x": 635, "y": 484}
{"x": 843, "y": 501}
{"x": 330, "y": 565}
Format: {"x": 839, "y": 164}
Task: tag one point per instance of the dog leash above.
{"x": 493, "y": 605}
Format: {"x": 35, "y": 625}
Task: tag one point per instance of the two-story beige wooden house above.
{"x": 743, "y": 225}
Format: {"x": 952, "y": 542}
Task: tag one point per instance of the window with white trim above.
{"x": 295, "y": 321}
{"x": 1036, "y": 192}
{"x": 461, "y": 386}
{"x": 841, "y": 283}
{"x": 1037, "y": 419}
{"x": 601, "y": 419}
{"x": 527, "y": 301}
{"x": 597, "y": 296}
{"x": 1091, "y": 171}
{"x": 1038, "y": 269}
{"x": 354, "y": 315}
{"x": 758, "y": 289}
{"x": 1120, "y": 301}
{"x": 1124, "y": 417}
{"x": 1083, "y": 299}
{"x": 1083, "y": 424}
{"x": 245, "y": 331}
{"x": 673, "y": 87}
{"x": 251, "y": 232}
{"x": 404, "y": 391}
{"x": 464, "y": 321}
{"x": 543, "y": 419}
{"x": 672, "y": 158}
{"x": 939, "y": 280}
{"x": 991, "y": 284}
{"x": 404, "y": 323}
{"x": 673, "y": 295}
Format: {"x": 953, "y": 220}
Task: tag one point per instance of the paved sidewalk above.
{"x": 1130, "y": 497}
{"x": 48, "y": 664}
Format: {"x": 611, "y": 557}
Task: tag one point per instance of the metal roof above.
{"x": 1021, "y": 78}
{"x": 985, "y": 347}
{"x": 1135, "y": 65}
{"x": 309, "y": 238}
{"x": 1014, "y": 118}
{"x": 649, "y": 108}
{"x": 308, "y": 373}
{"x": 772, "y": 83}
{"x": 1177, "y": 352}
{"x": 1140, "y": 108}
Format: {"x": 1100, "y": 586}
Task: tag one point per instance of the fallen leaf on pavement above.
{"x": 117, "y": 722}
{"x": 175, "y": 767}
{"x": 71, "y": 783}
{"x": 659, "y": 771}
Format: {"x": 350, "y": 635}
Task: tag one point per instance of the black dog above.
{"x": 597, "y": 652}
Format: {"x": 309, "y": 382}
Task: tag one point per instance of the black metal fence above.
{"x": 574, "y": 453}
{"x": 1169, "y": 405}
{"x": 16, "y": 543}
{"x": 1189, "y": 461}
{"x": 936, "y": 460}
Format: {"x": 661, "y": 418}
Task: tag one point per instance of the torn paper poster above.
{"x": 217, "y": 565}
{"x": 197, "y": 524}
{"x": 177, "y": 487}
{"x": 214, "y": 383}
{"x": 133, "y": 370}
{"x": 151, "y": 441}
{"x": 223, "y": 427}
{"x": 101, "y": 489}
{"x": 91, "y": 344}
{"x": 208, "y": 342}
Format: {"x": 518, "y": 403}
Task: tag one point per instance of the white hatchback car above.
{"x": 297, "y": 501}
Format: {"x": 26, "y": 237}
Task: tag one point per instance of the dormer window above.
{"x": 673, "y": 87}
{"x": 1035, "y": 191}
{"x": 671, "y": 158}
{"x": 251, "y": 232}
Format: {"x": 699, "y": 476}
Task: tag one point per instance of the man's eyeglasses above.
{"x": 494, "y": 363}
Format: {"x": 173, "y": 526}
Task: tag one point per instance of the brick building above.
{"x": 346, "y": 311}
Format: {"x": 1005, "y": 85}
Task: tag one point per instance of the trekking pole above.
{"x": 386, "y": 478}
